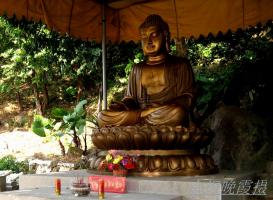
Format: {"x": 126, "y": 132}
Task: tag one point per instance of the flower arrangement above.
{"x": 117, "y": 162}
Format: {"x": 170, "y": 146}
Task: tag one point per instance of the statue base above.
{"x": 142, "y": 137}
{"x": 150, "y": 163}
{"x": 159, "y": 150}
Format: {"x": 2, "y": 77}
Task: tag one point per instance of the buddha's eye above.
{"x": 154, "y": 34}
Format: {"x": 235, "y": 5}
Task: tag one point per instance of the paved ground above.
{"x": 48, "y": 194}
{"x": 23, "y": 144}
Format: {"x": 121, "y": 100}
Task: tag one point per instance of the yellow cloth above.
{"x": 82, "y": 18}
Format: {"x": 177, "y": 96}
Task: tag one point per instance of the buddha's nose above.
{"x": 150, "y": 41}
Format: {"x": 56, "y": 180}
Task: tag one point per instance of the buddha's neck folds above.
{"x": 154, "y": 60}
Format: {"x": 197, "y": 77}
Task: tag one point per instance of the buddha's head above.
{"x": 155, "y": 36}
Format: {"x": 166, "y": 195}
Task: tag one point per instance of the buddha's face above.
{"x": 152, "y": 40}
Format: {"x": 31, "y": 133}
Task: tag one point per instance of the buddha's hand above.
{"x": 118, "y": 106}
{"x": 130, "y": 103}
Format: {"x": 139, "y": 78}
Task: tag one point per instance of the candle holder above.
{"x": 80, "y": 188}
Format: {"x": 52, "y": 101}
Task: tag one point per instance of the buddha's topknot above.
{"x": 155, "y": 20}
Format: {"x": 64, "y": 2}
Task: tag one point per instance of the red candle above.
{"x": 101, "y": 189}
{"x": 58, "y": 186}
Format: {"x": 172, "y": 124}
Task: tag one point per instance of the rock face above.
{"x": 2, "y": 183}
{"x": 45, "y": 166}
{"x": 23, "y": 144}
{"x": 241, "y": 140}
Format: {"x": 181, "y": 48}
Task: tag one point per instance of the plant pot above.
{"x": 120, "y": 172}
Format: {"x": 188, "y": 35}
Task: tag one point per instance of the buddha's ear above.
{"x": 167, "y": 41}
{"x": 142, "y": 48}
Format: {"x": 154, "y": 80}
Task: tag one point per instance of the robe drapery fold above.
{"x": 179, "y": 80}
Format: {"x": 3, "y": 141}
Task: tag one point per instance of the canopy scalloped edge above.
{"x": 210, "y": 34}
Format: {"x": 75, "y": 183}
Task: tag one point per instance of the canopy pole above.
{"x": 104, "y": 86}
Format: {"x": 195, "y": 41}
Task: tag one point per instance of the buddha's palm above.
{"x": 118, "y": 106}
{"x": 125, "y": 104}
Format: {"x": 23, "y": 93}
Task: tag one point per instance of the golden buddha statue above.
{"x": 161, "y": 89}
{"x": 152, "y": 121}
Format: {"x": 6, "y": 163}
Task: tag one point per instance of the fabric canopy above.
{"x": 186, "y": 18}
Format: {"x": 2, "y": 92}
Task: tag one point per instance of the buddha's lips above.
{"x": 150, "y": 46}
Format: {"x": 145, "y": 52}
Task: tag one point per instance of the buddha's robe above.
{"x": 170, "y": 106}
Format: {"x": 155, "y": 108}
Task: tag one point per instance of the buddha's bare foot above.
{"x": 145, "y": 113}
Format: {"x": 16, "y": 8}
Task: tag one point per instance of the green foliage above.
{"x": 70, "y": 93}
{"x": 117, "y": 88}
{"x": 62, "y": 122}
{"x": 10, "y": 163}
{"x": 25, "y": 55}
{"x": 33, "y": 56}
{"x": 76, "y": 120}
{"x": 139, "y": 56}
{"x": 41, "y": 126}
{"x": 219, "y": 61}
{"x": 58, "y": 113}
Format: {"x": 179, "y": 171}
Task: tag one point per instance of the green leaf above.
{"x": 39, "y": 125}
{"x": 71, "y": 91}
{"x": 70, "y": 118}
{"x": 57, "y": 126}
{"x": 79, "y": 107}
{"x": 59, "y": 113}
{"x": 80, "y": 126}
{"x": 5, "y": 88}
